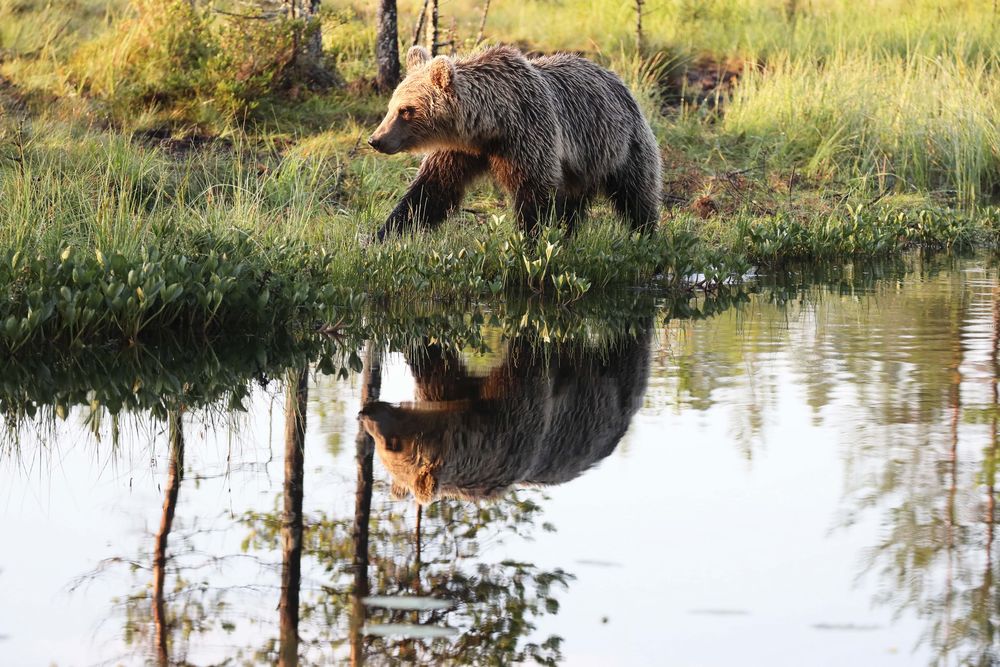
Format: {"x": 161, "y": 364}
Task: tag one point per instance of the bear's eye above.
{"x": 406, "y": 113}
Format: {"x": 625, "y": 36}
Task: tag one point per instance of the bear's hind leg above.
{"x": 438, "y": 189}
{"x": 440, "y": 374}
{"x": 635, "y": 190}
{"x": 531, "y": 206}
{"x": 570, "y": 209}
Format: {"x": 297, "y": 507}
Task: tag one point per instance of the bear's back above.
{"x": 591, "y": 407}
{"x": 597, "y": 114}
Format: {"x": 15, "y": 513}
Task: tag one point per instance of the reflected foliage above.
{"x": 934, "y": 476}
{"x": 152, "y": 379}
{"x": 495, "y": 604}
{"x": 904, "y": 354}
{"x": 440, "y": 551}
{"x": 900, "y": 359}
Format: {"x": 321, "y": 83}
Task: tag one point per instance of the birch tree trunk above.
{"x": 435, "y": 32}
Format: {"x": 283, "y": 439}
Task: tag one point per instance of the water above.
{"x": 803, "y": 473}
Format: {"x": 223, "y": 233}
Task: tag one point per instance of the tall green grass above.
{"x": 30, "y": 27}
{"x": 61, "y": 184}
{"x": 754, "y": 29}
{"x": 899, "y": 93}
{"x": 103, "y": 236}
{"x": 923, "y": 123}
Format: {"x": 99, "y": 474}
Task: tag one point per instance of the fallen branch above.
{"x": 342, "y": 168}
{"x": 354, "y": 151}
{"x": 247, "y": 17}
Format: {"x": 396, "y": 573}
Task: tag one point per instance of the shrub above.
{"x": 176, "y": 55}
{"x": 160, "y": 54}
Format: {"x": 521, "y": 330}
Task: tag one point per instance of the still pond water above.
{"x": 802, "y": 474}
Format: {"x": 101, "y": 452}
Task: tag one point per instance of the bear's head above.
{"x": 406, "y": 444}
{"x": 434, "y": 450}
{"x": 423, "y": 109}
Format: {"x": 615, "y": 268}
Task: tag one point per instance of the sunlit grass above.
{"x": 102, "y": 235}
{"x": 931, "y": 124}
{"x": 754, "y": 29}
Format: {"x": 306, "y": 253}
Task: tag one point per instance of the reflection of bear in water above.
{"x": 533, "y": 420}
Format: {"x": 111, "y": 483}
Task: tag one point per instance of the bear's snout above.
{"x": 383, "y": 144}
{"x": 374, "y": 415}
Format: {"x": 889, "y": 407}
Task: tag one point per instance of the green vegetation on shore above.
{"x": 161, "y": 167}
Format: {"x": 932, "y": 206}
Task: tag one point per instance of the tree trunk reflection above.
{"x": 370, "y": 388}
{"x": 291, "y": 525}
{"x": 955, "y": 406}
{"x": 174, "y": 476}
{"x": 990, "y": 466}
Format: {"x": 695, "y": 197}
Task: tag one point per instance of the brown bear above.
{"x": 537, "y": 419}
{"x": 553, "y": 131}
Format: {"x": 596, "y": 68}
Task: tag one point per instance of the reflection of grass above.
{"x": 126, "y": 135}
{"x": 166, "y": 371}
{"x": 167, "y": 374}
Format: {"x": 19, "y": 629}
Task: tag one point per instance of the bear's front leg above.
{"x": 532, "y": 179}
{"x": 438, "y": 189}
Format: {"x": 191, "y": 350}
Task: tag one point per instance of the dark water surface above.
{"x": 800, "y": 474}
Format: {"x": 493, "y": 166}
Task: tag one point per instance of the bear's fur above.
{"x": 553, "y": 131}
{"x": 534, "y": 420}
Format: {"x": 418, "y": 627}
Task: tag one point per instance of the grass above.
{"x": 933, "y": 125}
{"x": 159, "y": 171}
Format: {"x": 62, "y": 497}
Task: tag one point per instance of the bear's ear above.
{"x": 398, "y": 492}
{"x": 442, "y": 72}
{"x": 417, "y": 56}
